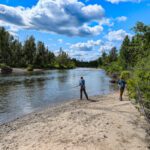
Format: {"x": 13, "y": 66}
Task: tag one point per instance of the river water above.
{"x": 21, "y": 94}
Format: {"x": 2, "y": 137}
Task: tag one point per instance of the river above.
{"x": 22, "y": 94}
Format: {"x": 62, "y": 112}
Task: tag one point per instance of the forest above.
{"x": 30, "y": 54}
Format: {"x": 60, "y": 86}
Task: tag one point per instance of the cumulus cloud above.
{"x": 106, "y": 46}
{"x": 68, "y": 17}
{"x": 118, "y": 1}
{"x": 90, "y": 49}
{"x": 121, "y": 18}
{"x": 106, "y": 21}
{"x": 87, "y": 46}
{"x": 11, "y": 15}
{"x": 80, "y": 55}
{"x": 117, "y": 35}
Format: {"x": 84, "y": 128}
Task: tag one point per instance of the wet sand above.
{"x": 103, "y": 123}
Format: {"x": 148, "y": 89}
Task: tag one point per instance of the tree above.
{"x": 63, "y": 58}
{"x": 40, "y": 55}
{"x": 124, "y": 53}
{"x": 29, "y": 50}
{"x": 16, "y": 57}
{"x": 113, "y": 54}
{"x": 5, "y": 51}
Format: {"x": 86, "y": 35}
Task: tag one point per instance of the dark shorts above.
{"x": 122, "y": 88}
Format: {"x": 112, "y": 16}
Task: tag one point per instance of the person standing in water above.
{"x": 82, "y": 88}
{"x": 122, "y": 84}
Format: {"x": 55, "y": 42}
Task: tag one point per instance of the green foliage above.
{"x": 5, "y": 69}
{"x": 30, "y": 67}
{"x": 114, "y": 67}
{"x": 125, "y": 75}
{"x": 131, "y": 87}
{"x": 3, "y": 65}
{"x": 16, "y": 54}
{"x": 134, "y": 58}
{"x": 125, "y": 53}
{"x": 64, "y": 61}
{"x": 139, "y": 83}
{"x": 113, "y": 55}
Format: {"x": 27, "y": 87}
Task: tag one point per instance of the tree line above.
{"x": 16, "y": 54}
{"x": 132, "y": 62}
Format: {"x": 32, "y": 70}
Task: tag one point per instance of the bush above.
{"x": 140, "y": 79}
{"x": 2, "y": 65}
{"x": 5, "y": 69}
{"x": 132, "y": 88}
{"x": 30, "y": 68}
{"x": 125, "y": 75}
{"x": 114, "y": 67}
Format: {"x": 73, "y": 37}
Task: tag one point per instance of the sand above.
{"x": 104, "y": 123}
{"x": 23, "y": 70}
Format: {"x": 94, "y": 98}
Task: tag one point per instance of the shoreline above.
{"x": 49, "y": 106}
{"x": 24, "y": 70}
{"x": 103, "y": 123}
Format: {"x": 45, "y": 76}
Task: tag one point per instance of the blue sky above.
{"x": 82, "y": 28}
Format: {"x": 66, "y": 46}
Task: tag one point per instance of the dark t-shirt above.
{"x": 121, "y": 83}
{"x": 82, "y": 83}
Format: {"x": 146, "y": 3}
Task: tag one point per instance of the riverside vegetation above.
{"x": 132, "y": 62}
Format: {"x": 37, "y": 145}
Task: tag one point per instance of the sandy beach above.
{"x": 103, "y": 123}
{"x": 23, "y": 70}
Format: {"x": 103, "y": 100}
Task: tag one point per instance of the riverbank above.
{"x": 103, "y": 123}
{"x": 23, "y": 70}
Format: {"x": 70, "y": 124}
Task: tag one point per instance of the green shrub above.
{"x": 3, "y": 66}
{"x": 30, "y": 68}
{"x": 5, "y": 69}
{"x": 131, "y": 87}
{"x": 114, "y": 67}
{"x": 125, "y": 75}
{"x": 139, "y": 82}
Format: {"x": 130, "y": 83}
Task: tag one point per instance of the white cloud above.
{"x": 121, "y": 18}
{"x": 118, "y": 1}
{"x": 106, "y": 46}
{"x": 84, "y": 55}
{"x": 60, "y": 40}
{"x": 117, "y": 35}
{"x": 68, "y": 17}
{"x": 87, "y": 46}
{"x": 88, "y": 50}
{"x": 106, "y": 21}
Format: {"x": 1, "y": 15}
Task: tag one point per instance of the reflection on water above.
{"x": 22, "y": 94}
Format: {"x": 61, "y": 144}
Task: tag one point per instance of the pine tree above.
{"x": 124, "y": 53}
{"x": 113, "y": 54}
{"x": 5, "y": 51}
{"x": 29, "y": 50}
